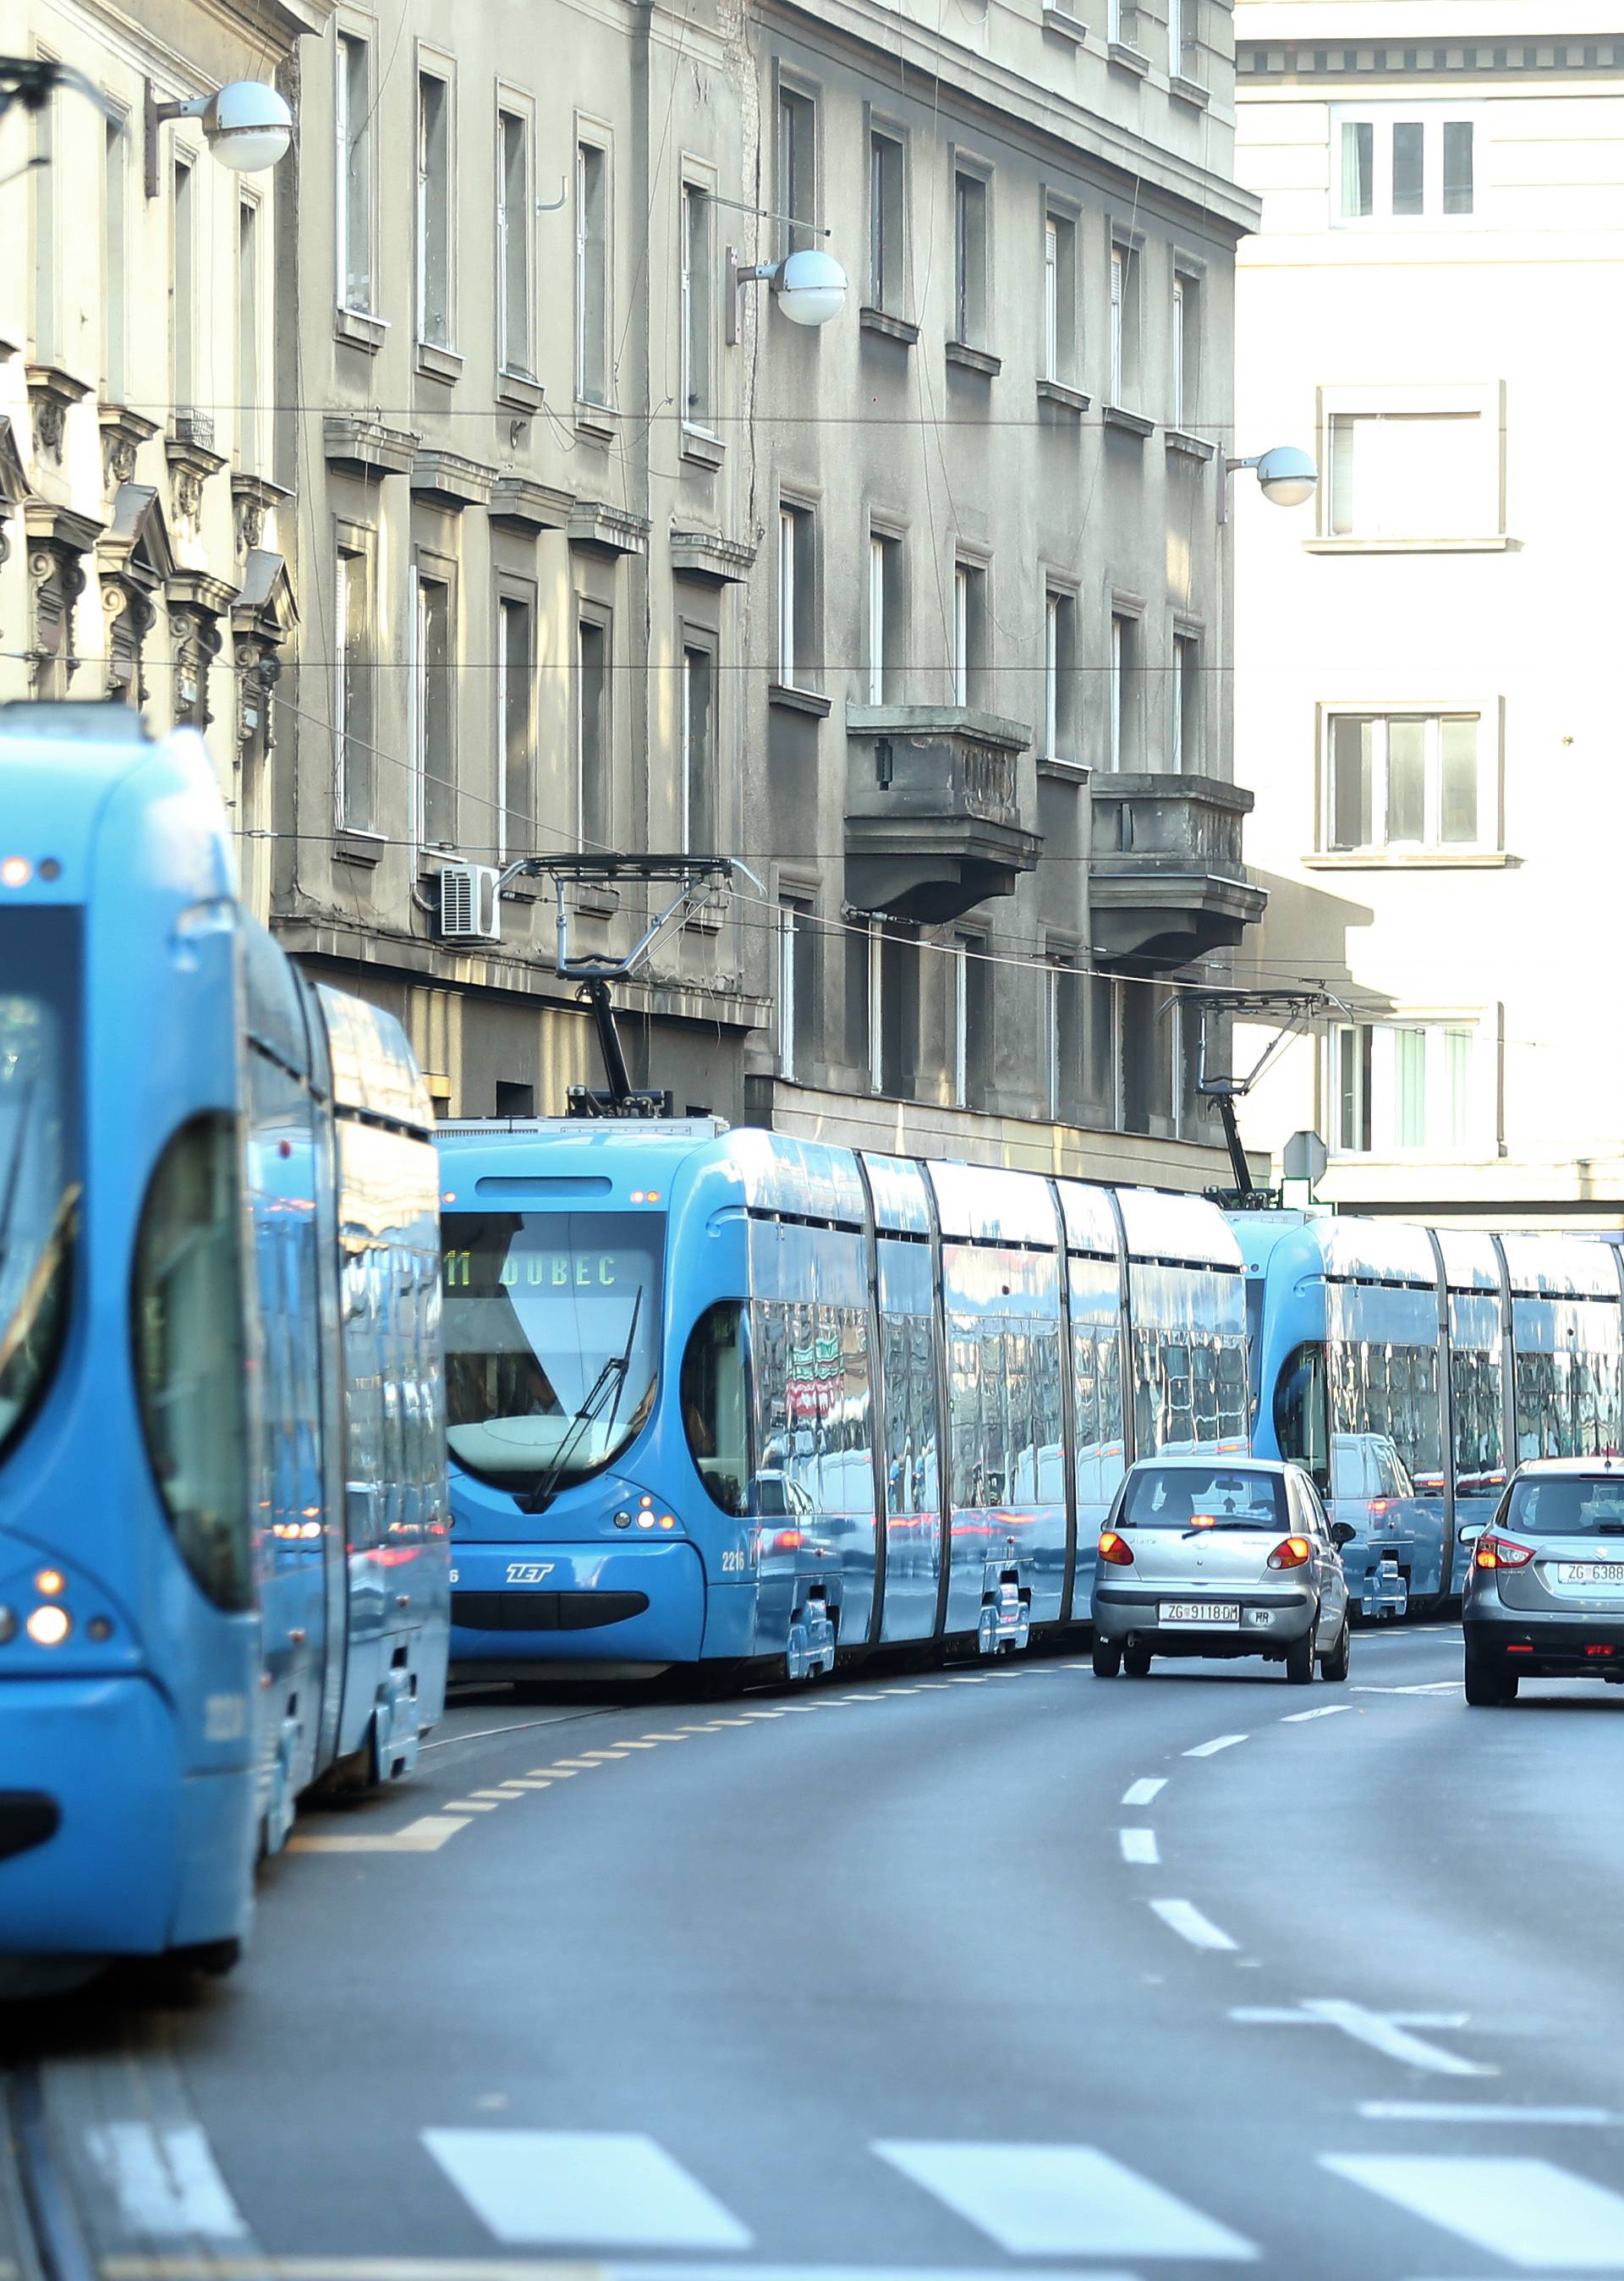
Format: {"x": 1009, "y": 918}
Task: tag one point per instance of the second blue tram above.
{"x": 725, "y": 1398}
{"x": 223, "y": 1559}
{"x": 1457, "y": 1353}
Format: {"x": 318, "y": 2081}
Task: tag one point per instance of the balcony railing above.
{"x": 933, "y": 820}
{"x": 1167, "y": 884}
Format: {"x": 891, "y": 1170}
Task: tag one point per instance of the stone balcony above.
{"x": 933, "y": 809}
{"x": 1167, "y": 882}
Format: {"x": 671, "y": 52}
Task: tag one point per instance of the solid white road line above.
{"x": 1424, "y": 2110}
{"x": 165, "y": 2181}
{"x": 1142, "y": 1792}
{"x": 1139, "y": 1845}
{"x": 1060, "y": 2201}
{"x": 1185, "y": 1919}
{"x": 1218, "y": 1743}
{"x": 1528, "y": 2211}
{"x": 1327, "y": 1711}
{"x": 583, "y": 2186}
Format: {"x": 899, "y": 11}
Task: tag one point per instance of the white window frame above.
{"x": 878, "y": 564}
{"x": 1436, "y": 1029}
{"x": 1381, "y": 117}
{"x": 1127, "y": 286}
{"x": 1175, "y": 39}
{"x": 1054, "y": 602}
{"x": 960, "y": 953}
{"x": 513, "y": 109}
{"x": 438, "y": 69}
{"x": 788, "y": 598}
{"x": 1123, "y": 627}
{"x": 115, "y": 254}
{"x": 1431, "y": 844}
{"x": 592, "y": 149}
{"x": 1481, "y": 403}
{"x": 963, "y": 572}
{"x": 790, "y": 922}
{"x": 697, "y": 342}
{"x": 876, "y": 1010}
{"x": 346, "y": 131}
{"x": 694, "y": 646}
{"x": 1052, "y": 297}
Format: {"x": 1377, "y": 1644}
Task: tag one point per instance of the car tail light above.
{"x": 1116, "y": 1550}
{"x": 1500, "y": 1552}
{"x": 1519, "y": 1647}
{"x": 1290, "y": 1553}
{"x": 1378, "y": 1506}
{"x": 1598, "y": 1650}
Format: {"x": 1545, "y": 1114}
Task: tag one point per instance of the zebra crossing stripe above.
{"x": 1532, "y": 2213}
{"x": 610, "y": 2187}
{"x": 1060, "y": 2201}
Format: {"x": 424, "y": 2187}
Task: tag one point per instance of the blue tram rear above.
{"x": 1409, "y": 1369}
{"x": 223, "y": 1568}
{"x": 727, "y": 1398}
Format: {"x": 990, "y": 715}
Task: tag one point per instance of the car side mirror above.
{"x": 1342, "y": 1533}
{"x": 1470, "y": 1533}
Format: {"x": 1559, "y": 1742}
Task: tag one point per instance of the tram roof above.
{"x": 373, "y": 1068}
{"x": 60, "y": 763}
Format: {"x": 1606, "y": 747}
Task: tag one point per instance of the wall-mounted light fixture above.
{"x": 247, "y": 125}
{"x": 1287, "y": 476}
{"x": 810, "y": 287}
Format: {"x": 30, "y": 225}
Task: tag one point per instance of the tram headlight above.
{"x": 50, "y": 1583}
{"x": 49, "y": 1625}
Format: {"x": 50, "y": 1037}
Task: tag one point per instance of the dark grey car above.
{"x": 1544, "y": 1594}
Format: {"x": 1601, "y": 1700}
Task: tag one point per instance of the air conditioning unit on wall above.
{"x": 469, "y": 910}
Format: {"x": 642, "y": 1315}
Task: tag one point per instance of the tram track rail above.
{"x": 48, "y": 2242}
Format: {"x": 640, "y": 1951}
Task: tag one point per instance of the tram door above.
{"x": 911, "y": 1442}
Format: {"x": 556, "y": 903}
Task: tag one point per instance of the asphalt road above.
{"x": 986, "y": 1969}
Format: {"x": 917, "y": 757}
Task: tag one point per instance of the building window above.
{"x": 593, "y": 812}
{"x": 515, "y": 727}
{"x": 1402, "y": 780}
{"x": 434, "y": 712}
{"x": 183, "y": 290}
{"x": 352, "y": 173}
{"x": 591, "y": 274}
{"x": 1124, "y": 691}
{"x": 42, "y": 174}
{"x": 887, "y": 284}
{"x": 1101, "y": 1044}
{"x": 1148, "y": 1036}
{"x": 885, "y": 616}
{"x": 797, "y": 597}
{"x": 1124, "y": 325}
{"x": 352, "y": 690}
{"x": 249, "y": 386}
{"x": 1184, "y": 745}
{"x": 893, "y": 1009}
{"x": 1059, "y": 298}
{"x": 514, "y": 1098}
{"x": 513, "y": 204}
{"x": 971, "y": 641}
{"x": 1399, "y": 1085}
{"x": 1061, "y": 739}
{"x": 1178, "y": 40}
{"x": 434, "y": 211}
{"x": 1412, "y": 474}
{"x": 1062, "y": 1035}
{"x": 1122, "y": 22}
{"x": 798, "y": 170}
{"x": 701, "y": 829}
{"x": 115, "y": 255}
{"x": 698, "y": 307}
{"x": 972, "y": 1021}
{"x": 1185, "y": 350}
{"x": 797, "y": 984}
{"x": 969, "y": 258}
{"x": 1403, "y": 166}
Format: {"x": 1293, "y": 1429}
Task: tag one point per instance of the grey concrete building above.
{"x": 922, "y": 615}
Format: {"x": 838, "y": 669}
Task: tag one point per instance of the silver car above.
{"x": 1544, "y": 1594}
{"x": 1221, "y": 1557}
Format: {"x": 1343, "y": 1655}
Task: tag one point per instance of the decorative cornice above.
{"x": 357, "y": 445}
{"x": 53, "y": 394}
{"x": 446, "y": 479}
{"x": 1454, "y": 59}
{"x": 609, "y": 530}
{"x": 123, "y": 433}
{"x": 704, "y": 554}
{"x": 252, "y": 498}
{"x": 521, "y": 503}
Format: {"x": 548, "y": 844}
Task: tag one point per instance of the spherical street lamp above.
{"x": 1287, "y": 475}
{"x": 811, "y": 287}
{"x": 248, "y": 125}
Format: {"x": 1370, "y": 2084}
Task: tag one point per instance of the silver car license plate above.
{"x": 1200, "y": 1612}
{"x": 1590, "y": 1572}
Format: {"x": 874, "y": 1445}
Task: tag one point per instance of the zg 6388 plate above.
{"x": 1200, "y": 1612}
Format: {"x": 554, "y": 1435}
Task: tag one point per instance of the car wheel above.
{"x": 1335, "y": 1665}
{"x": 1137, "y": 1660}
{"x": 1107, "y": 1659}
{"x": 1487, "y": 1685}
{"x": 1300, "y": 1659}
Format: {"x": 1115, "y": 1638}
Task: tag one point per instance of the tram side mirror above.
{"x": 1470, "y": 1533}
{"x": 1342, "y": 1533}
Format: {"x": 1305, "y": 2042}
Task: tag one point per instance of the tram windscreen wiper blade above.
{"x": 612, "y": 1374}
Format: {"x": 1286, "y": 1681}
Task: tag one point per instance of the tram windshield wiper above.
{"x": 612, "y": 1377}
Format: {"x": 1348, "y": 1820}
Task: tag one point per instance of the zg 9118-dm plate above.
{"x": 1200, "y": 1612}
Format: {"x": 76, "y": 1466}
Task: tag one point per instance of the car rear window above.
{"x": 1187, "y": 1496}
{"x": 1568, "y": 1507}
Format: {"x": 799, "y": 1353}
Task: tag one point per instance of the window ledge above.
{"x": 436, "y": 363}
{"x": 798, "y": 700}
{"x": 360, "y": 330}
{"x": 1059, "y": 771}
{"x": 595, "y": 420}
{"x": 887, "y": 326}
{"x": 521, "y": 391}
{"x": 1193, "y": 447}
{"x": 701, "y": 449}
{"x": 1131, "y": 423}
{"x": 708, "y": 919}
{"x": 971, "y": 360}
{"x": 1127, "y": 58}
{"x": 1411, "y": 859}
{"x": 1062, "y": 396}
{"x": 350, "y": 846}
{"x": 1064, "y": 24}
{"x": 1501, "y": 545}
{"x": 1187, "y": 90}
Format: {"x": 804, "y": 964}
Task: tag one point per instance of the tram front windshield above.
{"x": 552, "y": 1324}
{"x": 39, "y": 1178}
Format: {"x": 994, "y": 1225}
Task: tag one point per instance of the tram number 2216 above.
{"x": 734, "y": 1564}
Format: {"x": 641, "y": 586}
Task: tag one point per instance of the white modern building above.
{"x": 1425, "y": 704}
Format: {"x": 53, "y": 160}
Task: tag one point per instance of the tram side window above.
{"x": 1302, "y": 1423}
{"x": 1233, "y": 1400}
{"x": 1479, "y": 1461}
{"x": 716, "y": 1405}
{"x": 187, "y": 1324}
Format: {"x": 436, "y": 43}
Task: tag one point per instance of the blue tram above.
{"x": 1409, "y": 1369}
{"x": 725, "y": 1398}
{"x": 224, "y": 1568}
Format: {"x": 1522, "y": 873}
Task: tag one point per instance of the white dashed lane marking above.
{"x": 1139, "y": 1845}
{"x": 1061, "y": 2202}
{"x": 1326, "y": 1711}
{"x": 1218, "y": 1743}
{"x": 580, "y": 2186}
{"x": 1142, "y": 1792}
{"x": 1185, "y": 1919}
{"x": 1528, "y": 2211}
